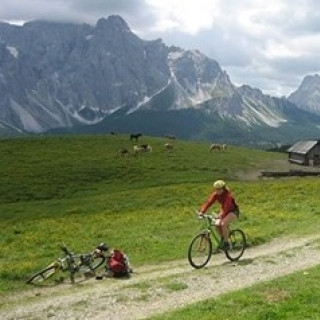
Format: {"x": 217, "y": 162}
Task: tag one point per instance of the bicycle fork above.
{"x": 204, "y": 240}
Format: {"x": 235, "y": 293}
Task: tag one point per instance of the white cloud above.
{"x": 263, "y": 44}
{"x": 269, "y": 44}
{"x": 186, "y": 16}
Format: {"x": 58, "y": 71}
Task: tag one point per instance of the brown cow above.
{"x": 169, "y": 146}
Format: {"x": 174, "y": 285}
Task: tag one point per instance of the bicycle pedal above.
{"x": 225, "y": 246}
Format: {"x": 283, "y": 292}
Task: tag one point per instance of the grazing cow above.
{"x": 170, "y": 137}
{"x": 146, "y": 147}
{"x": 123, "y": 152}
{"x": 215, "y": 146}
{"x": 142, "y": 148}
{"x": 169, "y": 146}
{"x": 136, "y": 149}
{"x": 135, "y": 136}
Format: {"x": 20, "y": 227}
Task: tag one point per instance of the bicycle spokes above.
{"x": 237, "y": 245}
{"x": 203, "y": 243}
{"x": 200, "y": 250}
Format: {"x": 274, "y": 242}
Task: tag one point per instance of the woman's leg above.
{"x": 219, "y": 230}
{"x": 225, "y": 223}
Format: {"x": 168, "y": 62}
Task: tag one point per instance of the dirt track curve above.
{"x": 155, "y": 289}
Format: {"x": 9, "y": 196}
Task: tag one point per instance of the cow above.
{"x": 215, "y": 146}
{"x": 169, "y": 146}
{"x": 135, "y": 136}
{"x": 142, "y": 148}
{"x": 170, "y": 137}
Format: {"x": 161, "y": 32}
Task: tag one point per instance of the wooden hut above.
{"x": 305, "y": 153}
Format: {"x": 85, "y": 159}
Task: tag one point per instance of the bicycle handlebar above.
{"x": 65, "y": 249}
{"x": 72, "y": 254}
{"x": 211, "y": 219}
{"x": 207, "y": 216}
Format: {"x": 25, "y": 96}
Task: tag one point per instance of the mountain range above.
{"x": 72, "y": 78}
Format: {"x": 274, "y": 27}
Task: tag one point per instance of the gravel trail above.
{"x": 155, "y": 289}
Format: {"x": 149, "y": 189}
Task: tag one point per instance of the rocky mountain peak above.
{"x": 311, "y": 80}
{"x": 62, "y": 75}
{"x": 114, "y": 23}
{"x": 307, "y": 96}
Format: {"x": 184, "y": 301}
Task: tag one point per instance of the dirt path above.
{"x": 255, "y": 172}
{"x": 158, "y": 288}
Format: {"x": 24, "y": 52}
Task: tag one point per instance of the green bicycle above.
{"x": 72, "y": 263}
{"x": 208, "y": 241}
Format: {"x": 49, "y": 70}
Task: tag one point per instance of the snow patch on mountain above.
{"x": 253, "y": 116}
{"x": 193, "y": 90}
{"x": 147, "y": 99}
{"x": 78, "y": 116}
{"x": 14, "y": 51}
{"x": 175, "y": 55}
{"x": 28, "y": 121}
{"x": 203, "y": 92}
{"x": 4, "y": 125}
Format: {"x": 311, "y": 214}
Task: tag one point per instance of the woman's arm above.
{"x": 211, "y": 200}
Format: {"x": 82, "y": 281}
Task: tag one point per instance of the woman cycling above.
{"x": 228, "y": 213}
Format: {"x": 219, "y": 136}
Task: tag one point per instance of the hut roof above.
{"x": 302, "y": 147}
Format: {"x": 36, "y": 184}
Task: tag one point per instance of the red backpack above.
{"x": 118, "y": 264}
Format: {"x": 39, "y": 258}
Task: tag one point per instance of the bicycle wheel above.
{"x": 97, "y": 262}
{"x": 44, "y": 274}
{"x": 90, "y": 263}
{"x": 237, "y": 242}
{"x": 200, "y": 250}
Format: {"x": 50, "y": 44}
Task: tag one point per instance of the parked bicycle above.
{"x": 72, "y": 263}
{"x": 208, "y": 241}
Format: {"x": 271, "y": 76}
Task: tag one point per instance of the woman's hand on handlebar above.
{"x": 200, "y": 214}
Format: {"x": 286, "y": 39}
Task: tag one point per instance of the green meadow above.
{"x": 291, "y": 297}
{"x": 80, "y": 190}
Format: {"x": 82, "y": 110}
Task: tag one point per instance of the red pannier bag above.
{"x": 118, "y": 264}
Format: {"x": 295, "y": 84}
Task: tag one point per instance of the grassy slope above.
{"x": 61, "y": 167}
{"x": 81, "y": 191}
{"x": 291, "y": 297}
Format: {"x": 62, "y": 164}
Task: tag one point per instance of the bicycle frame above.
{"x": 71, "y": 263}
{"x": 74, "y": 262}
{"x": 201, "y": 246}
{"x": 210, "y": 224}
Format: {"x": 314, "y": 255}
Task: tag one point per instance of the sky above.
{"x": 267, "y": 44}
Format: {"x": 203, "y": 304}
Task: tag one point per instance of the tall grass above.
{"x": 81, "y": 191}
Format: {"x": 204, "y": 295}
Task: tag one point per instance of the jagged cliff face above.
{"x": 55, "y": 75}
{"x": 307, "y": 96}
{"x": 194, "y": 76}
